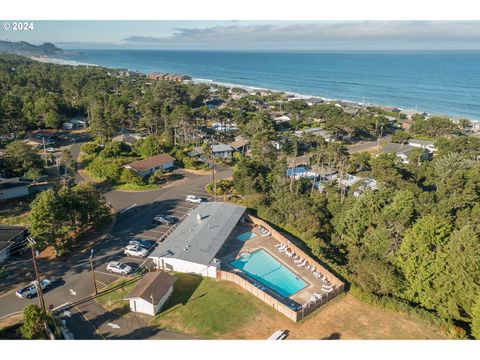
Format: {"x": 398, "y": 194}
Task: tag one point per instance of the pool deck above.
{"x": 234, "y": 247}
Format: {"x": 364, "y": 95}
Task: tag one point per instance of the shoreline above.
{"x": 60, "y": 61}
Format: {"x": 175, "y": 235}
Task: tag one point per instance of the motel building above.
{"x": 192, "y": 247}
{"x": 224, "y": 242}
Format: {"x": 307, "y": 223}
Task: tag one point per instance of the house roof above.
{"x": 283, "y": 118}
{"x": 199, "y": 237}
{"x": 8, "y": 232}
{"x": 397, "y": 148}
{"x": 126, "y": 138}
{"x": 239, "y": 143}
{"x": 10, "y": 185}
{"x": 420, "y": 142}
{"x": 221, "y": 148}
{"x": 154, "y": 284}
{"x": 151, "y": 162}
{"x": 196, "y": 151}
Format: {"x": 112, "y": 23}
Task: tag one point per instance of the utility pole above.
{"x": 213, "y": 179}
{"x": 93, "y": 273}
{"x": 44, "y": 152}
{"x": 32, "y": 243}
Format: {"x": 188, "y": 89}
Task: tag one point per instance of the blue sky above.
{"x": 255, "y": 35}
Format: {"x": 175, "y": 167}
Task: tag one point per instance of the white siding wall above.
{"x": 141, "y": 306}
{"x": 186, "y": 267}
{"x": 152, "y": 170}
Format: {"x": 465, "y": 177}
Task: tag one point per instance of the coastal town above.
{"x": 152, "y": 206}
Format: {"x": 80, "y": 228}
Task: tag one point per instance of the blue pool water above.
{"x": 264, "y": 268}
{"x": 245, "y": 236}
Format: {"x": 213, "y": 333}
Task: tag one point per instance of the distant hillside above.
{"x": 26, "y": 49}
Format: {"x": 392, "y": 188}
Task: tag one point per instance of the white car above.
{"x": 193, "y": 199}
{"x": 51, "y": 150}
{"x": 30, "y": 290}
{"x": 135, "y": 250}
{"x": 119, "y": 268}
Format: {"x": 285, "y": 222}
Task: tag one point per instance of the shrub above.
{"x": 130, "y": 177}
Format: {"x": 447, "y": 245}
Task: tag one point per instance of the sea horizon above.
{"x": 440, "y": 82}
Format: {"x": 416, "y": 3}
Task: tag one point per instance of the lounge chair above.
{"x": 278, "y": 245}
{"x": 280, "y": 248}
{"x": 318, "y": 296}
{"x": 299, "y": 260}
{"x": 285, "y": 249}
{"x": 302, "y": 263}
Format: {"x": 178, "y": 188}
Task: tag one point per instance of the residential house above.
{"x": 423, "y": 144}
{"x": 74, "y": 124}
{"x": 151, "y": 293}
{"x": 282, "y": 119}
{"x": 367, "y": 183}
{"x": 149, "y": 165}
{"x": 222, "y": 150}
{"x": 12, "y": 239}
{"x": 402, "y": 151}
{"x": 316, "y": 132}
{"x": 194, "y": 244}
{"x": 240, "y": 144}
{"x": 38, "y": 138}
{"x": 409, "y": 113}
{"x": 125, "y": 138}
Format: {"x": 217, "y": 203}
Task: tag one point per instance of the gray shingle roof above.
{"x": 153, "y": 284}
{"x": 198, "y": 240}
{"x": 221, "y": 148}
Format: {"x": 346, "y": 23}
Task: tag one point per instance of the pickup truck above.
{"x": 30, "y": 290}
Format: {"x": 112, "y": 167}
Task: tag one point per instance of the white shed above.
{"x": 151, "y": 293}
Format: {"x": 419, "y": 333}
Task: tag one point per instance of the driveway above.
{"x": 73, "y": 281}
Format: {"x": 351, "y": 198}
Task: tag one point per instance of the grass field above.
{"x": 221, "y": 310}
{"x": 135, "y": 187}
{"x": 16, "y": 212}
{"x": 113, "y": 294}
{"x": 208, "y": 308}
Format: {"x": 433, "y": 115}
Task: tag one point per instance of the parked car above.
{"x": 165, "y": 219}
{"x": 193, "y": 199}
{"x": 51, "y": 149}
{"x": 142, "y": 243}
{"x": 135, "y": 250}
{"x": 119, "y": 268}
{"x": 30, "y": 290}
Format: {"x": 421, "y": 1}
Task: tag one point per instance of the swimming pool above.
{"x": 264, "y": 268}
{"x": 245, "y": 236}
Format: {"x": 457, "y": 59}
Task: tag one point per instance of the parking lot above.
{"x": 136, "y": 222}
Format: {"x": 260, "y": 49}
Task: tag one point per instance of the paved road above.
{"x": 367, "y": 145}
{"x": 73, "y": 283}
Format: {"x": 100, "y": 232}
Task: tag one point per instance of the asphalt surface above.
{"x": 72, "y": 285}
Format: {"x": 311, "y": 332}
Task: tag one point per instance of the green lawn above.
{"x": 113, "y": 294}
{"x": 135, "y": 187}
{"x": 16, "y": 211}
{"x": 208, "y": 308}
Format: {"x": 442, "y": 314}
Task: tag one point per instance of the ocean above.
{"x": 443, "y": 83}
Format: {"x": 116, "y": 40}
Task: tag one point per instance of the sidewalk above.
{"x": 108, "y": 325}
